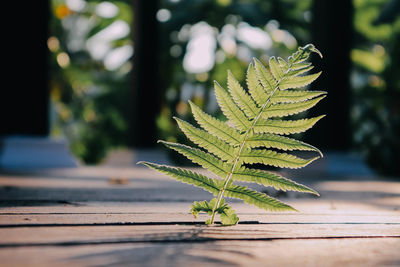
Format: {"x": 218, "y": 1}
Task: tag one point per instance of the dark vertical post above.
{"x": 145, "y": 78}
{"x": 24, "y": 96}
{"x": 332, "y": 29}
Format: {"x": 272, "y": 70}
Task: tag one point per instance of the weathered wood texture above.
{"x": 136, "y": 217}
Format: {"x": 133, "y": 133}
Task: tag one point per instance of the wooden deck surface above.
{"x": 132, "y": 216}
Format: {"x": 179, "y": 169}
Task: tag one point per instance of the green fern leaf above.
{"x": 230, "y": 110}
{"x": 186, "y": 176}
{"x": 201, "y": 206}
{"x": 207, "y": 141}
{"x": 265, "y": 77}
{"x": 270, "y": 179}
{"x": 258, "y": 199}
{"x": 204, "y": 206}
{"x": 268, "y": 140}
{"x": 284, "y": 65}
{"x": 251, "y": 130}
{"x": 285, "y": 127}
{"x": 302, "y": 54}
{"x": 241, "y": 98}
{"x": 294, "y": 96}
{"x": 276, "y": 69}
{"x": 255, "y": 87}
{"x": 298, "y": 81}
{"x": 286, "y": 109}
{"x": 299, "y": 66}
{"x": 273, "y": 158}
{"x": 282, "y": 70}
{"x": 299, "y": 71}
{"x": 216, "y": 127}
{"x": 228, "y": 216}
{"x": 206, "y": 160}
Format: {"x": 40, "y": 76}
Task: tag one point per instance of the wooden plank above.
{"x": 162, "y": 218}
{"x": 67, "y": 235}
{"x": 316, "y": 206}
{"x": 35, "y": 191}
{"x": 321, "y": 252}
{"x": 312, "y": 212}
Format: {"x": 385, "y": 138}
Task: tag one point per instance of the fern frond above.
{"x": 207, "y": 141}
{"x": 230, "y": 110}
{"x": 215, "y": 127}
{"x": 275, "y": 126}
{"x": 186, "y": 176}
{"x": 286, "y": 109}
{"x": 252, "y": 129}
{"x": 270, "y": 179}
{"x": 206, "y": 160}
{"x": 273, "y": 158}
{"x": 258, "y": 199}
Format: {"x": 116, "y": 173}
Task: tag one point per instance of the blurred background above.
{"x": 111, "y": 74}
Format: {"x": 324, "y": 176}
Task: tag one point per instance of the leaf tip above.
{"x": 312, "y": 48}
{"x": 318, "y": 52}
{"x": 321, "y": 97}
{"x": 192, "y": 106}
{"x": 312, "y": 159}
{"x": 178, "y": 120}
{"x": 290, "y": 208}
{"x": 256, "y": 61}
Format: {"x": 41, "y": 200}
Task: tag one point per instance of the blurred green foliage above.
{"x": 90, "y": 82}
{"x": 89, "y": 75}
{"x": 376, "y": 83}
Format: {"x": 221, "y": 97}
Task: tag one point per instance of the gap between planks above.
{"x": 184, "y": 223}
{"x": 187, "y": 240}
